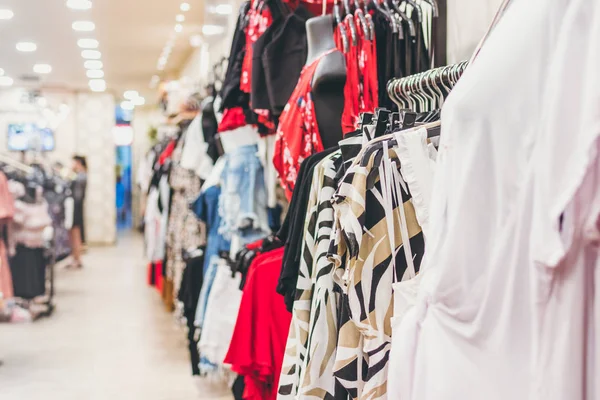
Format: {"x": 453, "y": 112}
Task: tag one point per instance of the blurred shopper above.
{"x": 79, "y": 189}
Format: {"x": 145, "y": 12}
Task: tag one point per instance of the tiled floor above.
{"x": 109, "y": 339}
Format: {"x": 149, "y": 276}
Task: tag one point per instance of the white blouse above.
{"x": 508, "y": 302}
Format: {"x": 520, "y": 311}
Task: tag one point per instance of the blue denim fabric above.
{"x": 209, "y": 278}
{"x": 243, "y": 203}
{"x": 206, "y": 208}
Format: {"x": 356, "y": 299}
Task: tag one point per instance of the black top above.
{"x": 230, "y": 93}
{"x": 284, "y": 58}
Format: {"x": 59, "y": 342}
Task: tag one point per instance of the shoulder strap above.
{"x": 495, "y": 21}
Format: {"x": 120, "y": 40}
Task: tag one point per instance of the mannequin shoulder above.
{"x": 331, "y": 70}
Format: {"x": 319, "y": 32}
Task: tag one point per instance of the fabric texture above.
{"x": 508, "y": 293}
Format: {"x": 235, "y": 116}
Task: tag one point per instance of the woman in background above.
{"x": 78, "y": 189}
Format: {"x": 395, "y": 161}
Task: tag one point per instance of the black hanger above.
{"x": 338, "y": 20}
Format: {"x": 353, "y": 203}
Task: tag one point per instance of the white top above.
{"x": 504, "y": 296}
{"x": 193, "y": 155}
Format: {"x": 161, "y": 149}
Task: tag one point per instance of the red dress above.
{"x": 361, "y": 89}
{"x": 298, "y": 133}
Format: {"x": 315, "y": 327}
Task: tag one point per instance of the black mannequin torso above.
{"x": 328, "y": 81}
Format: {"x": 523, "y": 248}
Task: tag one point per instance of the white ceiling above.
{"x": 132, "y": 34}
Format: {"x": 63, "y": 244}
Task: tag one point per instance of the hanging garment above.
{"x": 362, "y": 241}
{"x": 184, "y": 231}
{"x": 219, "y": 321}
{"x": 509, "y": 294}
{"x": 29, "y": 223}
{"x": 28, "y": 267}
{"x": 315, "y": 323}
{"x": 298, "y": 133}
{"x": 7, "y": 211}
{"x": 417, "y": 161}
{"x": 258, "y": 342}
{"x": 243, "y": 200}
{"x": 194, "y": 155}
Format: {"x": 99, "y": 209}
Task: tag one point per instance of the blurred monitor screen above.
{"x": 23, "y": 137}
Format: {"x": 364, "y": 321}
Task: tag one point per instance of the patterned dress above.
{"x": 361, "y": 246}
{"x": 310, "y": 351}
{"x": 184, "y": 230}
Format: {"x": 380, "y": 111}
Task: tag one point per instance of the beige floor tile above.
{"x": 109, "y": 339}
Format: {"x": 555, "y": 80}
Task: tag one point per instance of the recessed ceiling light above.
{"x": 154, "y": 81}
{"x": 42, "y": 68}
{"x": 178, "y": 28}
{"x": 79, "y": 4}
{"x": 131, "y": 94}
{"x": 185, "y": 7}
{"x": 91, "y": 54}
{"x": 127, "y": 105}
{"x": 26, "y": 47}
{"x": 6, "y": 81}
{"x": 223, "y": 9}
{"x": 83, "y": 26}
{"x": 88, "y": 43}
{"x": 139, "y": 101}
{"x": 94, "y": 73}
{"x": 196, "y": 40}
{"x": 210, "y": 30}
{"x": 180, "y": 18}
{"x": 97, "y": 85}
{"x": 6, "y": 14}
{"x": 93, "y": 64}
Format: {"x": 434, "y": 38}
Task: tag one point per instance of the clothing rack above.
{"x": 427, "y": 90}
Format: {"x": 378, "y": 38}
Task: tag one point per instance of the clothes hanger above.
{"x": 349, "y": 20}
{"x": 402, "y": 14}
{"x": 377, "y": 4}
{"x": 339, "y": 23}
{"x": 358, "y": 13}
{"x": 433, "y": 130}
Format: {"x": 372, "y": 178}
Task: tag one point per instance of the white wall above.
{"x": 468, "y": 21}
{"x": 85, "y": 130}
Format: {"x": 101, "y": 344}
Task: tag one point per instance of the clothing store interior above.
{"x": 300, "y": 199}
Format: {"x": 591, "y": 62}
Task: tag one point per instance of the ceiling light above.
{"x": 88, "y": 43}
{"x": 6, "y": 81}
{"x": 180, "y": 18}
{"x": 97, "y": 85}
{"x": 223, "y": 9}
{"x": 6, "y": 14}
{"x": 93, "y": 64}
{"x": 79, "y": 4}
{"x": 26, "y": 47}
{"x": 154, "y": 81}
{"x": 42, "y": 68}
{"x": 131, "y": 94}
{"x": 94, "y": 73}
{"x": 127, "y": 105}
{"x": 91, "y": 54}
{"x": 210, "y": 30}
{"x": 185, "y": 7}
{"x": 196, "y": 40}
{"x": 83, "y": 26}
{"x": 1, "y": 72}
{"x": 178, "y": 28}
{"x": 139, "y": 101}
